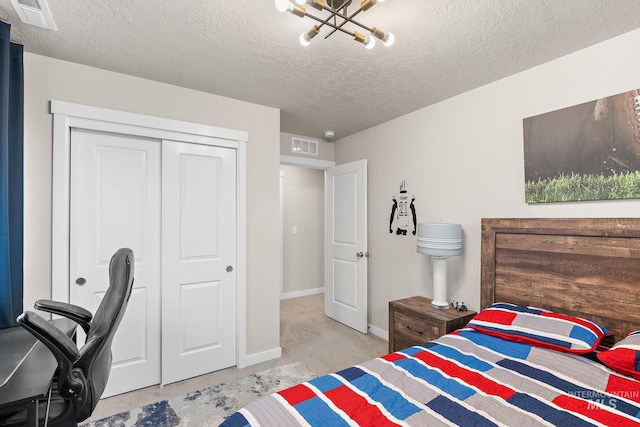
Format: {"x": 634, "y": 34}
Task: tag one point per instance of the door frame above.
{"x": 305, "y": 163}
{"x": 69, "y": 115}
{"x": 322, "y": 165}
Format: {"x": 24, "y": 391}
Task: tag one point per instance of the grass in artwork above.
{"x": 577, "y": 187}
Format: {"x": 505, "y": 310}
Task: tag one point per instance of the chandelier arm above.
{"x": 364, "y": 27}
{"x": 346, "y": 19}
{"x": 334, "y": 14}
{"x": 326, "y": 21}
{"x": 335, "y": 27}
{"x": 337, "y": 11}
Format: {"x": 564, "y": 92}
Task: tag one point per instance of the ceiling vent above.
{"x": 34, "y": 12}
{"x": 304, "y": 146}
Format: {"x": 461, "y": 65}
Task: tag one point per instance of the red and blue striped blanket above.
{"x": 463, "y": 379}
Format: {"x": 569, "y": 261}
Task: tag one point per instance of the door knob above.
{"x": 229, "y": 269}
{"x": 80, "y": 281}
{"x": 360, "y": 254}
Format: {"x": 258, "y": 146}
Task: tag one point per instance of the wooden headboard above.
{"x": 586, "y": 267}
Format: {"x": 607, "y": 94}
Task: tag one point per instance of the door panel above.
{"x": 345, "y": 208}
{"x": 345, "y": 272}
{"x": 131, "y": 345}
{"x": 197, "y": 302}
{"x": 199, "y": 255}
{"x": 115, "y": 202}
{"x": 199, "y": 208}
{"x": 346, "y": 244}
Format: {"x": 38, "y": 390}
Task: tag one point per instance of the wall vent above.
{"x": 34, "y": 12}
{"x": 304, "y": 146}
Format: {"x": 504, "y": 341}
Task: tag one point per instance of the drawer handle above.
{"x": 415, "y": 330}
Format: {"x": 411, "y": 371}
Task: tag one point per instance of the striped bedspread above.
{"x": 464, "y": 379}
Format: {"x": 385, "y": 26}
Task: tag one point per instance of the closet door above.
{"x": 115, "y": 202}
{"x": 198, "y": 259}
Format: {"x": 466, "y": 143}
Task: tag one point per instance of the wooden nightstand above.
{"x": 413, "y": 321}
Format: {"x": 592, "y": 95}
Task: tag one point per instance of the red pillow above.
{"x": 624, "y": 356}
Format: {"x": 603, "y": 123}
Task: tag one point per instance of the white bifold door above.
{"x": 174, "y": 204}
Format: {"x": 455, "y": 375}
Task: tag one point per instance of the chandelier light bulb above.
{"x": 283, "y": 5}
{"x": 369, "y": 42}
{"x": 388, "y": 39}
{"x": 304, "y": 39}
{"x": 301, "y": 2}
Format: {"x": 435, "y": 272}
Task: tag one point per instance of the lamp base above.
{"x": 440, "y": 306}
{"x": 439, "y": 283}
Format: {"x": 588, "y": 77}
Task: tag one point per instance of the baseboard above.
{"x": 380, "y": 333}
{"x": 263, "y": 356}
{"x": 304, "y": 293}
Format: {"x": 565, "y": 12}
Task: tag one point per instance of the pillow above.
{"x": 539, "y": 327}
{"x": 624, "y": 356}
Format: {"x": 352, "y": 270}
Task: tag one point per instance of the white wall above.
{"x": 464, "y": 160}
{"x": 47, "y": 79}
{"x": 303, "y": 252}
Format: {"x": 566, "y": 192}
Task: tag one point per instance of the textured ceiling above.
{"x": 246, "y": 49}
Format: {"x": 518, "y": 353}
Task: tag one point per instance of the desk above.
{"x": 30, "y": 367}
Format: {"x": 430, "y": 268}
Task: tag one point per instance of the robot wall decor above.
{"x": 402, "y": 212}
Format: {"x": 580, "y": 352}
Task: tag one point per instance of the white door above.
{"x": 346, "y": 253}
{"x": 115, "y": 202}
{"x": 174, "y": 204}
{"x": 198, "y": 260}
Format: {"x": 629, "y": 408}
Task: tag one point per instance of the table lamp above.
{"x": 439, "y": 241}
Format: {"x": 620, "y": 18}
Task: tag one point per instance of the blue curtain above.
{"x": 11, "y": 177}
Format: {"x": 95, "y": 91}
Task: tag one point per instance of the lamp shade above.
{"x": 438, "y": 239}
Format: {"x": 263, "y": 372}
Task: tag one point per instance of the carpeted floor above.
{"x": 210, "y": 406}
{"x": 306, "y": 335}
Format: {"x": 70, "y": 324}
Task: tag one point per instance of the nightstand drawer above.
{"x": 416, "y": 329}
{"x": 402, "y": 342}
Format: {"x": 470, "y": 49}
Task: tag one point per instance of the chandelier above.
{"x": 336, "y": 18}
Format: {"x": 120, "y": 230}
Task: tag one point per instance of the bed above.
{"x": 556, "y": 294}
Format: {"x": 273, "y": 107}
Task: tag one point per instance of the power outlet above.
{"x": 294, "y": 230}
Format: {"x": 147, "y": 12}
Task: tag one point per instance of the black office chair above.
{"x": 82, "y": 374}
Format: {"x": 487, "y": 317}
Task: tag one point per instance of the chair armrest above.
{"x": 62, "y": 347}
{"x": 78, "y": 314}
